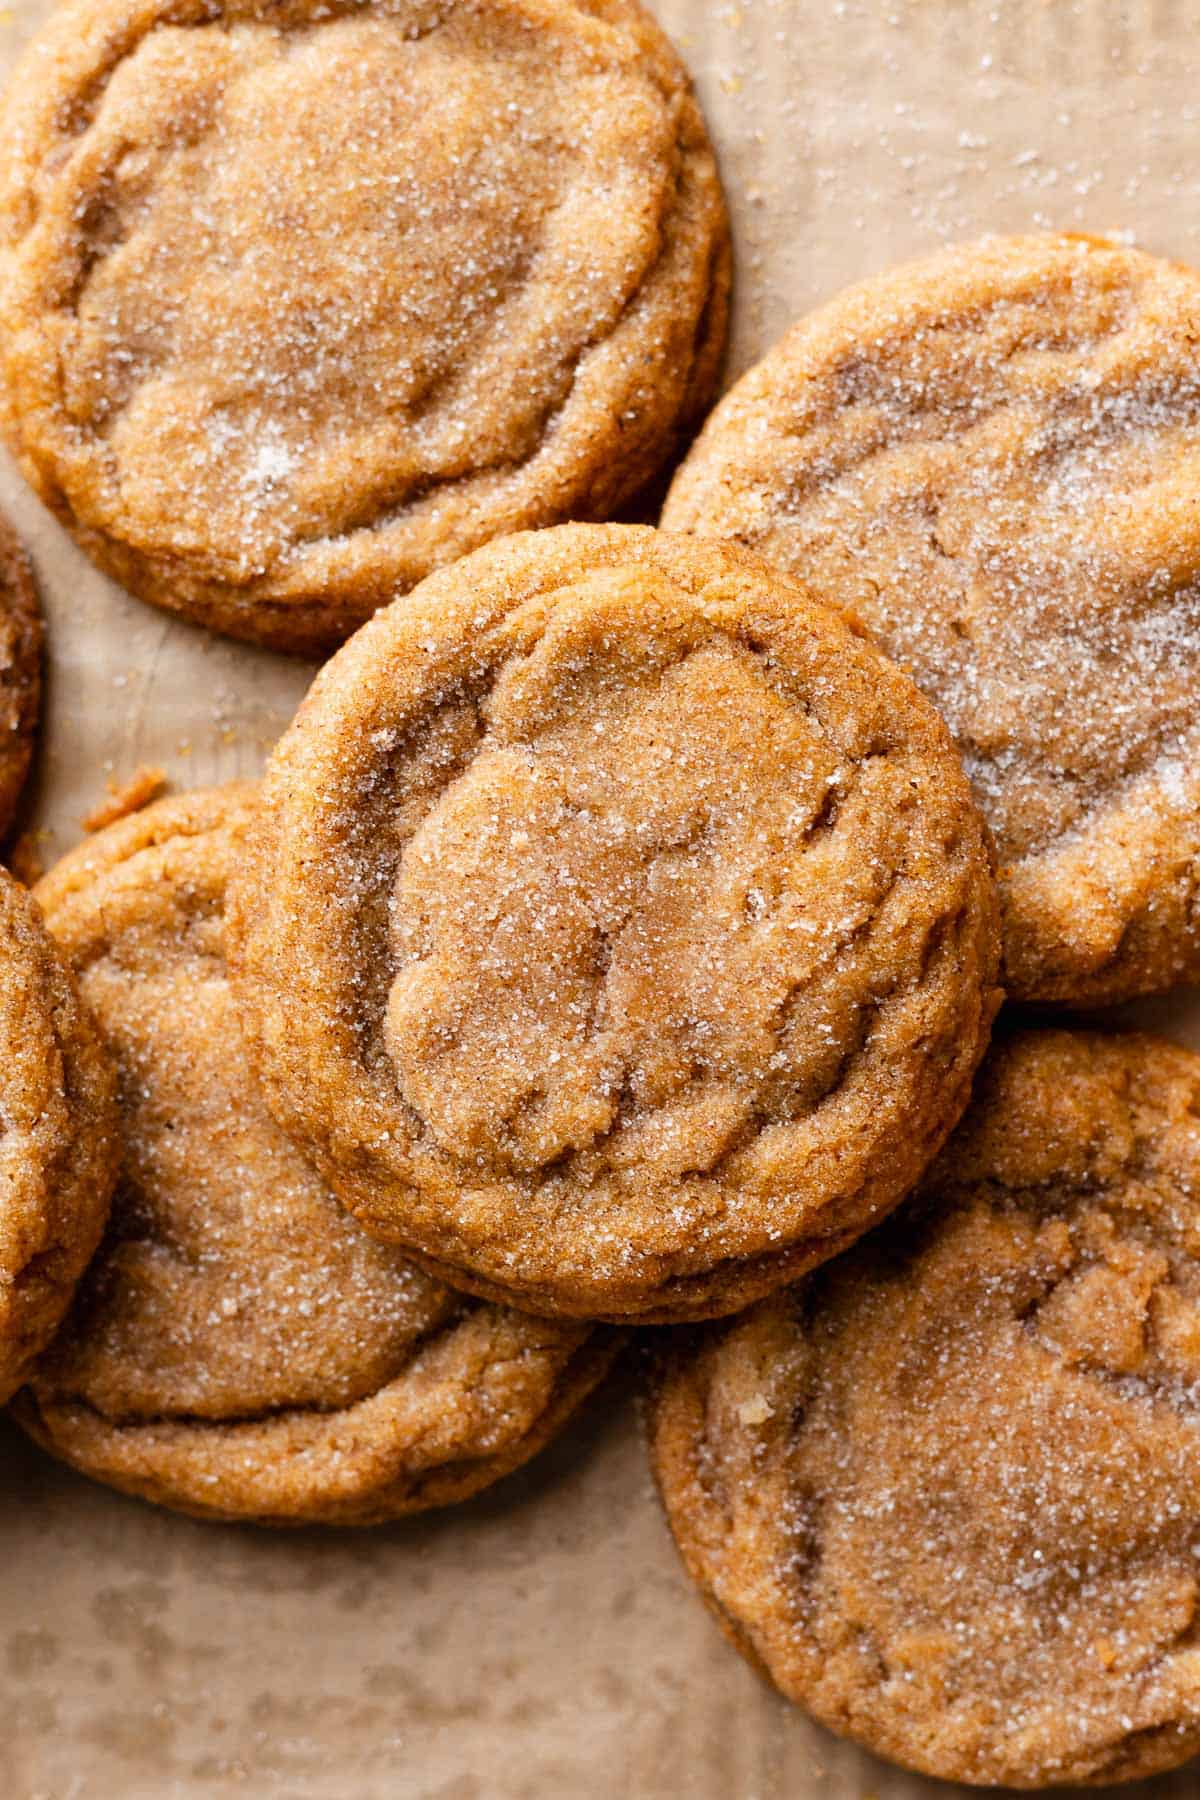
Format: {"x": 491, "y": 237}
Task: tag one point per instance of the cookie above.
{"x": 946, "y": 1493}
{"x": 20, "y": 671}
{"x": 619, "y": 934}
{"x": 303, "y": 301}
{"x": 992, "y": 457}
{"x": 59, "y": 1146}
{"x": 241, "y": 1349}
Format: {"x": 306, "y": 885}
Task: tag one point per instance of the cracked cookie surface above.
{"x": 992, "y": 457}
{"x": 618, "y": 933}
{"x": 302, "y": 301}
{"x": 241, "y": 1348}
{"x": 58, "y": 1144}
{"x": 946, "y": 1493}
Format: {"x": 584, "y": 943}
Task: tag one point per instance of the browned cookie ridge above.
{"x": 946, "y": 1493}
{"x": 993, "y": 458}
{"x": 240, "y": 1347}
{"x": 20, "y": 670}
{"x": 58, "y": 1146}
{"x": 619, "y": 933}
{"x": 302, "y": 301}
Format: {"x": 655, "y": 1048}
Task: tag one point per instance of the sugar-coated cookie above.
{"x": 619, "y": 934}
{"x": 20, "y": 670}
{"x": 303, "y": 300}
{"x": 59, "y": 1143}
{"x": 241, "y": 1348}
{"x": 993, "y": 458}
{"x": 946, "y": 1493}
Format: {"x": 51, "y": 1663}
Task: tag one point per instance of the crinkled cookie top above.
{"x": 619, "y": 930}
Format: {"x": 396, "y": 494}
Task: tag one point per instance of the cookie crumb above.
{"x": 25, "y": 858}
{"x": 756, "y": 1411}
{"x": 144, "y": 785}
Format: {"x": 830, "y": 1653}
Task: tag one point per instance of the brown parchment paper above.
{"x": 540, "y": 1642}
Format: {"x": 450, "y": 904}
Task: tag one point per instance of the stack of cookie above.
{"x": 618, "y": 931}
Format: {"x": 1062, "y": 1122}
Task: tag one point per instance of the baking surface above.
{"x": 542, "y": 1641}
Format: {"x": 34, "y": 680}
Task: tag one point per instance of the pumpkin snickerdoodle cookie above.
{"x": 20, "y": 670}
{"x": 58, "y": 1146}
{"x": 302, "y": 301}
{"x": 240, "y": 1348}
{"x": 993, "y": 458}
{"x": 946, "y": 1493}
{"x": 619, "y": 933}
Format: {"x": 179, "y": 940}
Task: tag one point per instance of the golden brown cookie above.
{"x": 20, "y": 670}
{"x": 240, "y": 1348}
{"x": 58, "y": 1146}
{"x": 946, "y": 1493}
{"x": 301, "y": 301}
{"x": 619, "y": 935}
{"x": 993, "y": 458}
